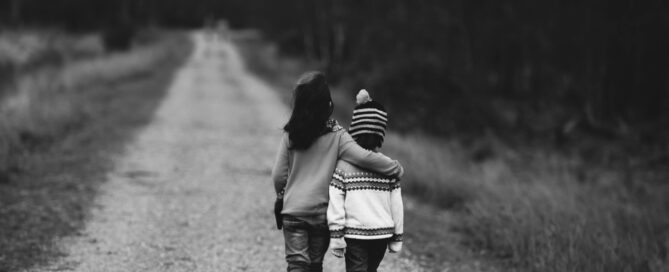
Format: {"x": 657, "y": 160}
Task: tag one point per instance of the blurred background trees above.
{"x": 551, "y": 116}
{"x": 544, "y": 68}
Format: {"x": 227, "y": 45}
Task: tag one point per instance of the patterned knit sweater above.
{"x": 304, "y": 175}
{"x": 364, "y": 205}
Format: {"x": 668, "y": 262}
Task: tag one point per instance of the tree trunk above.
{"x": 16, "y": 8}
{"x": 339, "y": 32}
{"x": 124, "y": 12}
{"x": 308, "y": 24}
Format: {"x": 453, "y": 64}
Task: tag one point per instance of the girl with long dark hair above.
{"x": 308, "y": 152}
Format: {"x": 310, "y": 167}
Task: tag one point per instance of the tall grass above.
{"x": 45, "y": 104}
{"x": 537, "y": 211}
{"x": 25, "y": 51}
{"x": 25, "y": 47}
{"x": 60, "y": 129}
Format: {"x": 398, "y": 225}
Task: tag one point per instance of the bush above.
{"x": 48, "y": 104}
{"x": 118, "y": 38}
{"x": 7, "y": 71}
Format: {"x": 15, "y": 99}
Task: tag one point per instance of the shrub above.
{"x": 535, "y": 211}
{"x": 118, "y": 38}
{"x": 47, "y": 104}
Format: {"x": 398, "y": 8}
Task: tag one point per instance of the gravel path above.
{"x": 192, "y": 192}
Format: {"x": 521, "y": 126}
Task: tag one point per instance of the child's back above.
{"x": 365, "y": 211}
{"x": 364, "y": 205}
{"x": 307, "y": 155}
{"x": 305, "y": 174}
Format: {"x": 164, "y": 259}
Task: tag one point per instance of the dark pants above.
{"x": 307, "y": 240}
{"x": 364, "y": 255}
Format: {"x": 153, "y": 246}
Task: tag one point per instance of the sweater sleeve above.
{"x": 281, "y": 168}
{"x": 351, "y": 152}
{"x": 336, "y": 213}
{"x": 397, "y": 210}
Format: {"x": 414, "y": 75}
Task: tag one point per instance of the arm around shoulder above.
{"x": 351, "y": 152}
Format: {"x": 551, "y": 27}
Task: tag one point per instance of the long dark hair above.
{"x": 312, "y": 107}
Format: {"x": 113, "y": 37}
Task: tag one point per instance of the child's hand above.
{"x": 338, "y": 247}
{"x": 394, "y": 247}
{"x": 400, "y": 171}
{"x": 339, "y": 252}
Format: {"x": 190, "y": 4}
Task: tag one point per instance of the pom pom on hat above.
{"x": 369, "y": 117}
{"x": 362, "y": 97}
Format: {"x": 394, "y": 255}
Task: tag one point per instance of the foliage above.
{"x": 29, "y": 50}
{"x": 541, "y": 211}
{"x": 603, "y": 62}
{"x": 118, "y": 38}
{"x": 532, "y": 207}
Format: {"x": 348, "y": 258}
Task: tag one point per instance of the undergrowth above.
{"x": 542, "y": 211}
{"x": 60, "y": 128}
{"x": 531, "y": 208}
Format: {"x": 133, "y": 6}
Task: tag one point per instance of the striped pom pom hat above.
{"x": 369, "y": 117}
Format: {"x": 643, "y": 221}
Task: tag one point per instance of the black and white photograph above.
{"x": 334, "y": 135}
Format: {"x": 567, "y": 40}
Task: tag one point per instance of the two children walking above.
{"x": 327, "y": 197}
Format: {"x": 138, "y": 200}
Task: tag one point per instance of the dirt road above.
{"x": 192, "y": 192}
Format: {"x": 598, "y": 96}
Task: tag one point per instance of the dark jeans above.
{"x": 364, "y": 255}
{"x": 307, "y": 240}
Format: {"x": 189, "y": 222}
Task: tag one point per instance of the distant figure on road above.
{"x": 311, "y": 145}
{"x": 366, "y": 214}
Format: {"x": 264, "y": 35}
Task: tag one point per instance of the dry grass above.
{"x": 25, "y": 46}
{"x": 262, "y": 58}
{"x": 27, "y": 50}
{"x": 48, "y": 103}
{"x": 58, "y": 132}
{"x": 538, "y": 212}
{"x": 534, "y": 210}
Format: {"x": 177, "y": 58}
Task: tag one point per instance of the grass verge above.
{"x": 529, "y": 209}
{"x": 540, "y": 211}
{"x": 58, "y": 135}
{"x": 430, "y": 242}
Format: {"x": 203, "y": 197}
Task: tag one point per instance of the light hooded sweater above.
{"x": 306, "y": 174}
{"x": 364, "y": 205}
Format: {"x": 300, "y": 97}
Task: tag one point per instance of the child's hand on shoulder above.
{"x": 401, "y": 172}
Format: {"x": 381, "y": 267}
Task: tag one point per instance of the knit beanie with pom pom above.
{"x": 369, "y": 117}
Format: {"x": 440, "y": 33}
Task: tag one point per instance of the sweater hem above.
{"x": 373, "y": 233}
{"x": 368, "y": 237}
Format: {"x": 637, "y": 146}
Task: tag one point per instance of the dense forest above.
{"x": 546, "y": 68}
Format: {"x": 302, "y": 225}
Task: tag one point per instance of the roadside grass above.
{"x": 532, "y": 209}
{"x": 25, "y": 51}
{"x": 60, "y": 129}
{"x": 542, "y": 211}
{"x": 431, "y": 244}
{"x": 261, "y": 58}
{"x": 26, "y": 47}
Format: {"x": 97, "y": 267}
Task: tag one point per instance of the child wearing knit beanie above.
{"x": 365, "y": 212}
{"x": 310, "y": 147}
